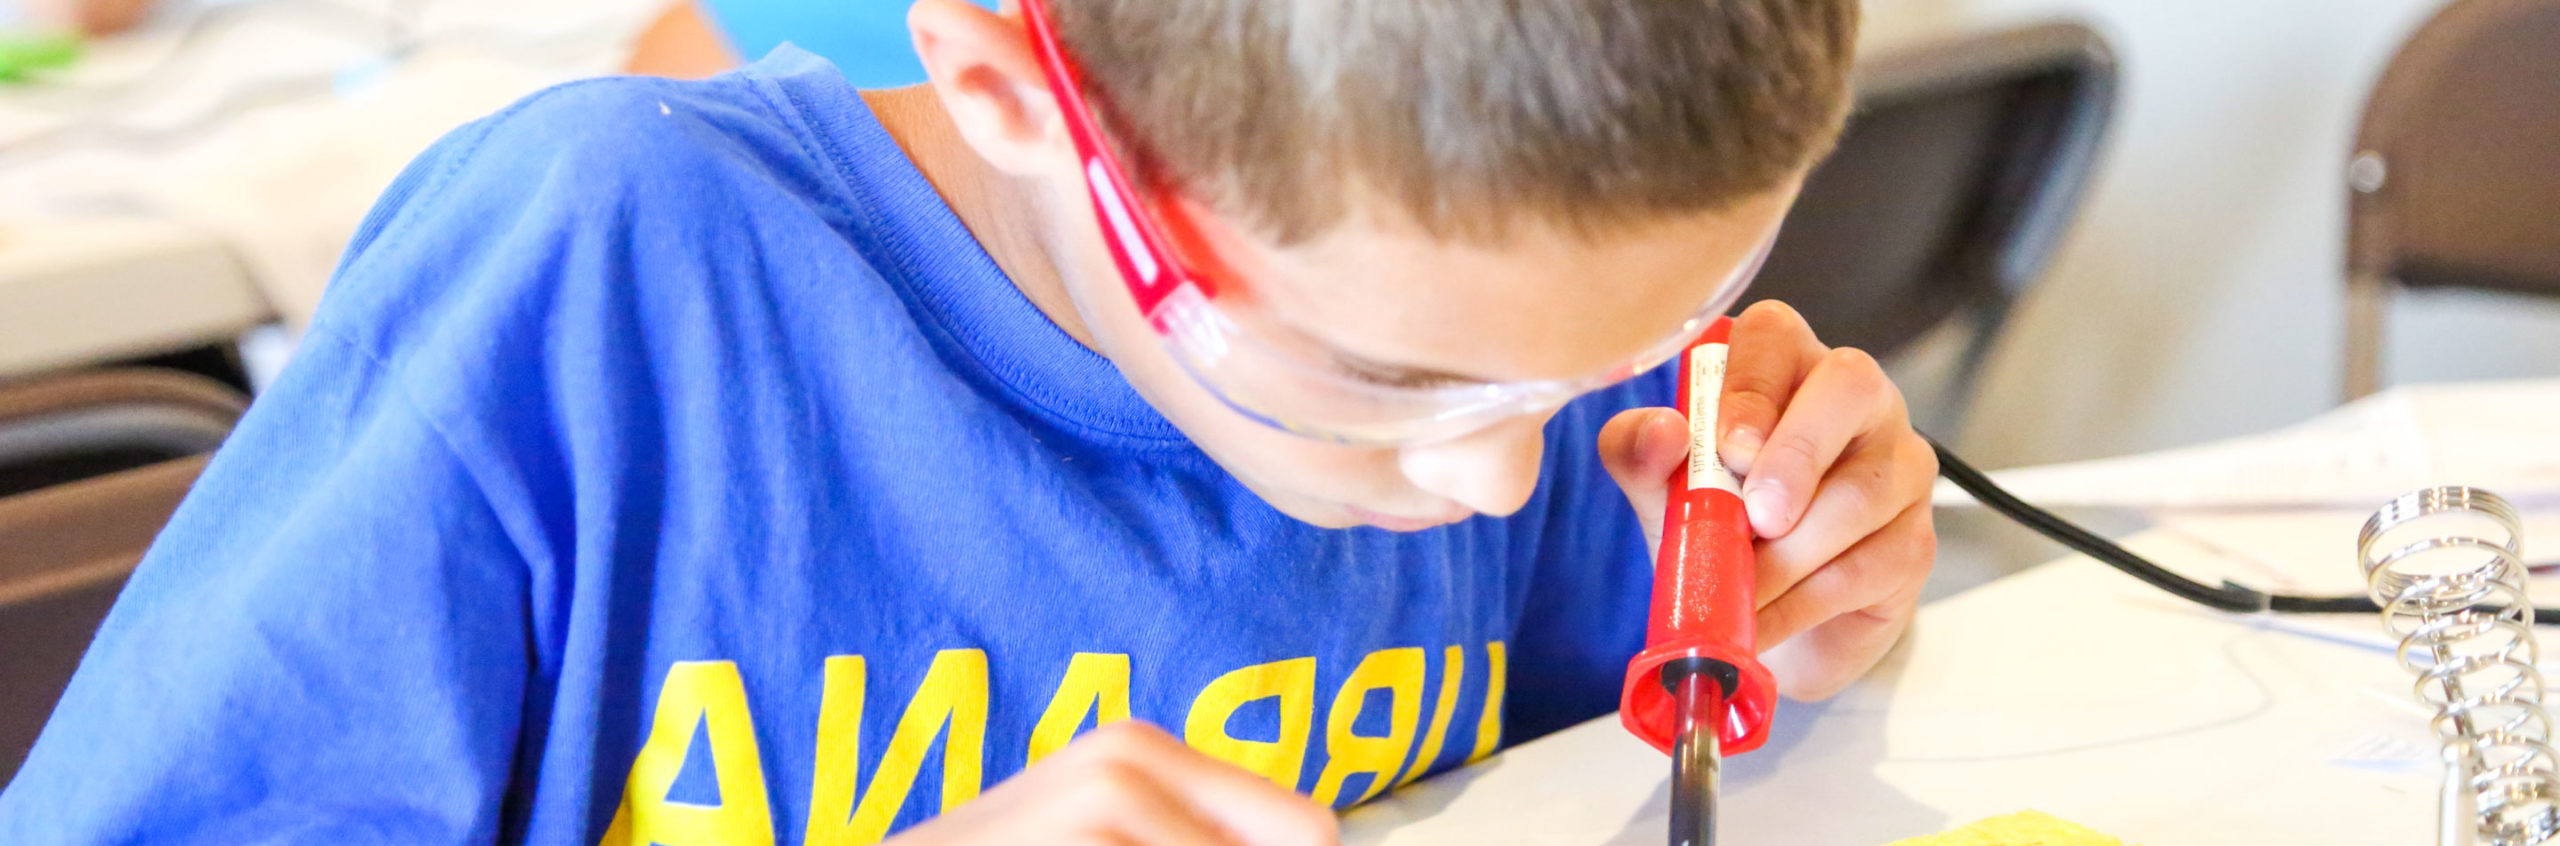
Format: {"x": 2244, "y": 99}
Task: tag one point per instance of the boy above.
{"x": 738, "y": 461}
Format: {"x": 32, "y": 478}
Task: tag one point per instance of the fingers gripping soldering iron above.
{"x": 1698, "y": 691}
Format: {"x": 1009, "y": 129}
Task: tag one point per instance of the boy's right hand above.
{"x": 1130, "y": 783}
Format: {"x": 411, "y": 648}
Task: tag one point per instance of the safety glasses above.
{"x": 1261, "y": 367}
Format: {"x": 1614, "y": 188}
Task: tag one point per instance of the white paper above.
{"x": 1706, "y": 397}
{"x": 2070, "y": 689}
{"x": 2503, "y": 436}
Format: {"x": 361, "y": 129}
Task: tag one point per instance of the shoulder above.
{"x": 636, "y": 138}
{"x": 627, "y": 219}
{"x": 622, "y": 137}
{"x": 596, "y": 145}
{"x": 611, "y": 180}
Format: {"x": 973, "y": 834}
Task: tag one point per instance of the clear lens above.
{"x": 1286, "y": 392}
{"x": 1255, "y": 372}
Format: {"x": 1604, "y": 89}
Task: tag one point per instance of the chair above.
{"x": 2455, "y": 180}
{"x": 89, "y": 423}
{"x": 91, "y": 465}
{"x": 64, "y": 554}
{"x": 1962, "y": 163}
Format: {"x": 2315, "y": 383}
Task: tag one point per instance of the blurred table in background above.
{"x": 75, "y": 290}
{"x": 201, "y": 174}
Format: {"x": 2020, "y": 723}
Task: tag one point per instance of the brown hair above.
{"x": 1467, "y": 114}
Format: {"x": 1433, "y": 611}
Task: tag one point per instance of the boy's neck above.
{"x": 1007, "y": 214}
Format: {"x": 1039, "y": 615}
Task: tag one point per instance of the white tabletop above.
{"x": 233, "y": 201}
{"x": 2076, "y": 690}
{"x": 2070, "y": 689}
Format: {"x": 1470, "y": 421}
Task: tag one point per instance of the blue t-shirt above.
{"x": 668, "y": 464}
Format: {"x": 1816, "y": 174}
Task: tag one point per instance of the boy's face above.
{"x": 1405, "y": 306}
{"x": 1375, "y": 293}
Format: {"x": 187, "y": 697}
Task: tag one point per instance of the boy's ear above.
{"x": 983, "y": 70}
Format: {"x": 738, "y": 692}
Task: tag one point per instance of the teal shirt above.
{"x": 866, "y": 39}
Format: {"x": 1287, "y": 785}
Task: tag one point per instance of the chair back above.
{"x": 91, "y": 466}
{"x": 64, "y": 554}
{"x": 2455, "y": 180}
{"x": 77, "y": 425}
{"x": 1963, "y": 162}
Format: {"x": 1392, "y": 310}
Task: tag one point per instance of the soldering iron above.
{"x": 1698, "y": 691}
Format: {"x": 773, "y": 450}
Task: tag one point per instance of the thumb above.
{"x": 1639, "y": 447}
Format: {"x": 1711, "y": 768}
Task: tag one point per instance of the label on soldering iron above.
{"x": 1706, "y": 388}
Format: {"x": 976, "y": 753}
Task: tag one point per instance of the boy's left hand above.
{"x": 1835, "y": 480}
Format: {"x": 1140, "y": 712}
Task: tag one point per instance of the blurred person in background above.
{"x": 867, "y": 39}
{"x": 94, "y": 17}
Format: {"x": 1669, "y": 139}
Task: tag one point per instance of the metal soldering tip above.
{"x": 1697, "y": 761}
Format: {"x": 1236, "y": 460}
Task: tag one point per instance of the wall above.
{"x": 2200, "y": 295}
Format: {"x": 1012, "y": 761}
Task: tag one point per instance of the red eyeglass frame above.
{"x": 1172, "y": 290}
{"x": 1145, "y": 256}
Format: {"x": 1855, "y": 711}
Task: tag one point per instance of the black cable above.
{"x": 2229, "y": 596}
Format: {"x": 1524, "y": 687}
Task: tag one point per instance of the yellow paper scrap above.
{"x": 2024, "y": 828}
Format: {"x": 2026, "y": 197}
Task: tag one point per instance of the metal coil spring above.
{"x": 2458, "y": 605}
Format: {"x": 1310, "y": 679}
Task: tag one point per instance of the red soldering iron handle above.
{"x": 1702, "y": 616}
